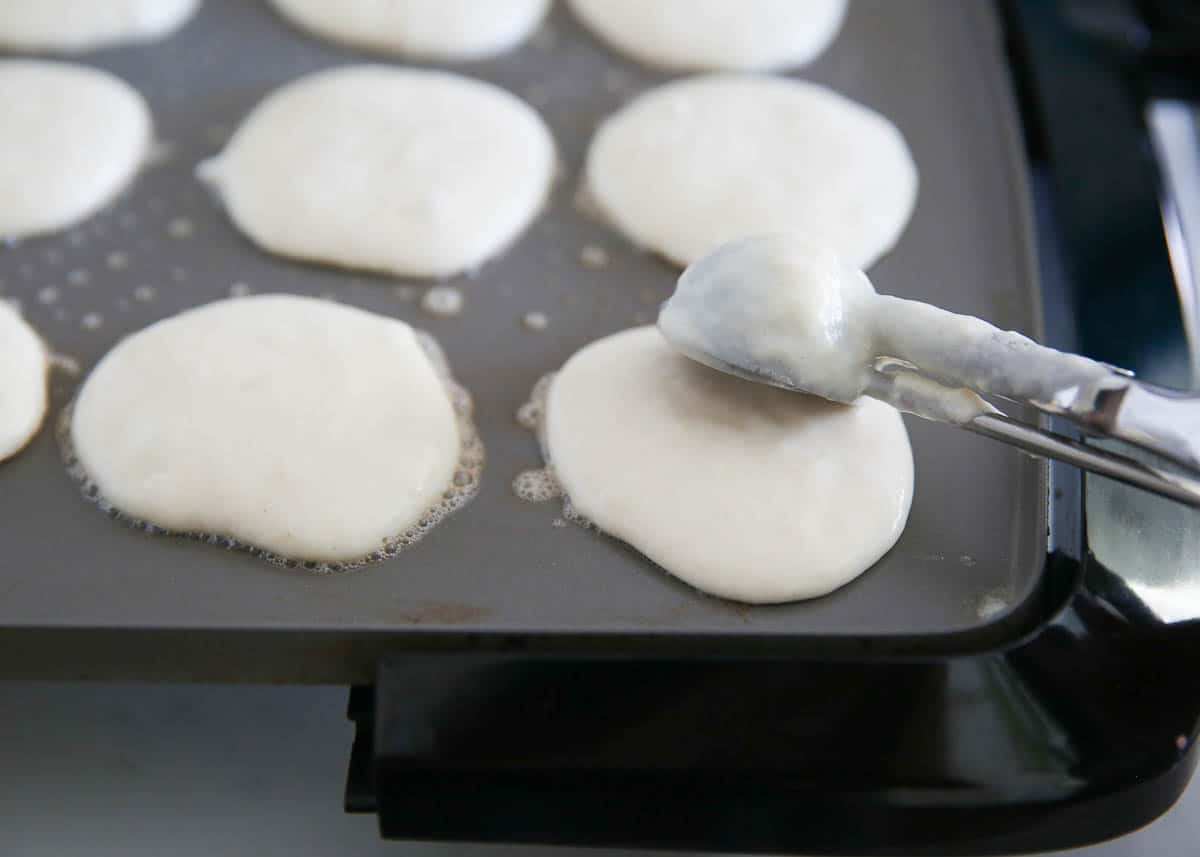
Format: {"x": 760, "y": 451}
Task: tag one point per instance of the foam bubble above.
{"x": 537, "y": 485}
{"x": 117, "y": 260}
{"x": 47, "y": 295}
{"x": 180, "y": 227}
{"x": 529, "y": 415}
{"x": 145, "y": 294}
{"x": 91, "y": 321}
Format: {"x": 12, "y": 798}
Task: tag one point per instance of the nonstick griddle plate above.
{"x": 83, "y": 595}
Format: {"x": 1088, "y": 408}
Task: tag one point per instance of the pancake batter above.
{"x": 24, "y": 364}
{"x": 305, "y": 428}
{"x": 416, "y": 173}
{"x": 742, "y": 490}
{"x": 428, "y": 29}
{"x": 74, "y": 137}
{"x": 74, "y": 26}
{"x": 749, "y": 35}
{"x": 701, "y": 161}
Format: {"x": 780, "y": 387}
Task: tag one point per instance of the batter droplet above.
{"x": 443, "y": 301}
{"x": 535, "y": 321}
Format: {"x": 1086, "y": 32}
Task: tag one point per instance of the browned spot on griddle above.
{"x": 441, "y": 613}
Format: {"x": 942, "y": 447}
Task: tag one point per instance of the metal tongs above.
{"x": 926, "y": 361}
{"x": 1163, "y": 422}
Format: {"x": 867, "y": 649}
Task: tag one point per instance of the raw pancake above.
{"x": 744, "y": 491}
{"x": 749, "y": 35}
{"x": 698, "y": 162}
{"x": 80, "y": 25}
{"x": 431, "y": 29}
{"x": 310, "y": 429}
{"x": 23, "y": 366}
{"x": 73, "y": 139}
{"x": 419, "y": 173}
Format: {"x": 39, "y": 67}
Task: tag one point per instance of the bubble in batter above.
{"x": 537, "y": 485}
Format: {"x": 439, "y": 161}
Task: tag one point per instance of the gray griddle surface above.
{"x": 81, "y": 595}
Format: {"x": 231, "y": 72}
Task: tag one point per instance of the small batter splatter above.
{"x": 443, "y": 301}
{"x": 535, "y": 321}
{"x": 593, "y": 256}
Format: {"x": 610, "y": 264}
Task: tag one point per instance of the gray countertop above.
{"x": 224, "y": 771}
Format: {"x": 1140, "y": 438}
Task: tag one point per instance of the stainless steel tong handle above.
{"x": 1101, "y": 399}
{"x": 1176, "y": 486}
{"x": 1164, "y": 422}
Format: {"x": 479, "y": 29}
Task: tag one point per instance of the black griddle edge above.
{"x": 1081, "y": 731}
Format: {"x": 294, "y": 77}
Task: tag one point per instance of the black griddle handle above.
{"x": 1080, "y": 734}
